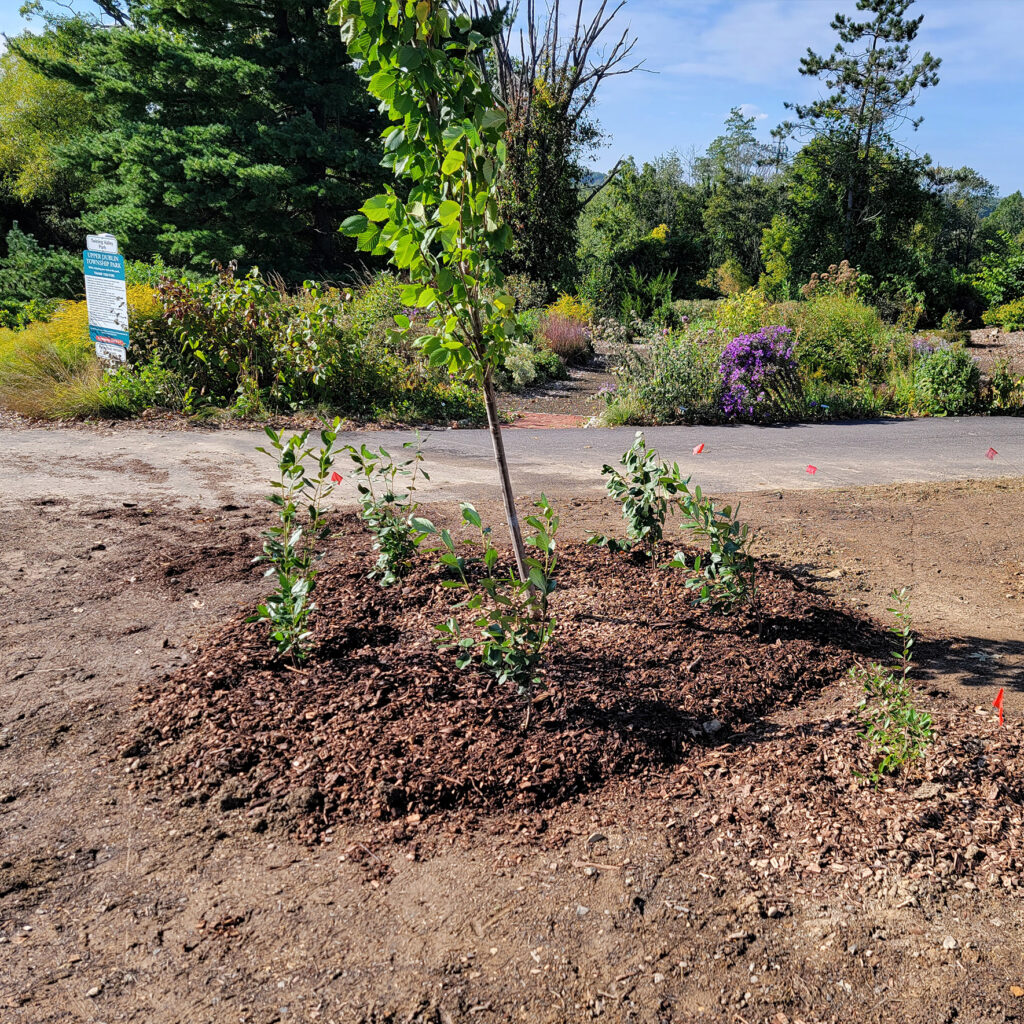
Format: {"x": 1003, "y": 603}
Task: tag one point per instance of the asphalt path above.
{"x": 222, "y": 466}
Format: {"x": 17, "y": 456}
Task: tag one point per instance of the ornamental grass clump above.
{"x": 568, "y": 338}
{"x": 760, "y": 381}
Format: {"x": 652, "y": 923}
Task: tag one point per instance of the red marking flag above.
{"x": 812, "y": 470}
{"x": 991, "y": 454}
{"x": 336, "y": 477}
{"x": 699, "y": 448}
{"x": 998, "y": 703}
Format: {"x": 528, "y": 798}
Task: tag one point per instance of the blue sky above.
{"x": 706, "y": 56}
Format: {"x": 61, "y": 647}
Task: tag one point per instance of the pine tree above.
{"x": 227, "y": 131}
{"x": 873, "y": 80}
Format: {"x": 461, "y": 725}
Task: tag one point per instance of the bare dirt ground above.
{"x": 122, "y": 901}
{"x": 988, "y": 345}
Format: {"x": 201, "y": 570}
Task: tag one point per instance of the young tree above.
{"x": 446, "y": 140}
{"x": 874, "y": 81}
{"x": 816, "y": 203}
{"x": 39, "y": 118}
{"x": 1008, "y": 217}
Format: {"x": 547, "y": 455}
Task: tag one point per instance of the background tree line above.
{"x": 214, "y": 131}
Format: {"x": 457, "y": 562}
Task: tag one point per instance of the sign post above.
{"x": 106, "y": 297}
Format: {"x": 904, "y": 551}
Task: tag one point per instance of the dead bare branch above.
{"x": 535, "y": 52}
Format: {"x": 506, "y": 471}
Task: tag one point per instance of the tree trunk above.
{"x": 498, "y": 442}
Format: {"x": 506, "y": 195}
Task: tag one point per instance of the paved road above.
{"x": 221, "y": 466}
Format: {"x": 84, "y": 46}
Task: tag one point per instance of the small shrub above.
{"x": 152, "y": 271}
{"x": 646, "y": 296}
{"x": 527, "y": 365}
{"x": 597, "y": 288}
{"x": 549, "y": 364}
{"x": 16, "y": 315}
{"x": 221, "y": 328}
{"x": 894, "y": 729}
{"x": 902, "y": 389}
{"x": 740, "y": 314}
{"x": 290, "y": 547}
{"x": 530, "y": 321}
{"x": 527, "y": 292}
{"x": 570, "y": 307}
{"x": 677, "y": 380}
{"x": 946, "y": 382}
{"x": 373, "y": 310}
{"x": 567, "y": 338}
{"x": 648, "y": 332}
{"x": 645, "y": 492}
{"x": 412, "y": 394}
{"x": 650, "y": 491}
{"x": 1009, "y": 316}
{"x": 728, "y": 279}
{"x": 520, "y": 367}
{"x": 132, "y": 389}
{"x": 726, "y": 570}
{"x": 512, "y": 616}
{"x": 387, "y": 507}
{"x": 33, "y": 271}
{"x": 1007, "y": 389}
{"x": 839, "y": 337}
{"x": 608, "y": 333}
{"x": 759, "y": 377}
{"x": 953, "y": 328}
{"x": 1001, "y": 279}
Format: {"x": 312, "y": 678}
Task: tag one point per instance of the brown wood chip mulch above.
{"x": 639, "y": 689}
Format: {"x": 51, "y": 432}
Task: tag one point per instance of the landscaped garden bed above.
{"x": 380, "y": 725}
{"x": 642, "y": 693}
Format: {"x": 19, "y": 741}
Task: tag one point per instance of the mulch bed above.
{"x": 379, "y": 725}
{"x": 740, "y": 724}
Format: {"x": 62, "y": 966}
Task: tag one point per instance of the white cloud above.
{"x": 760, "y": 42}
{"x": 752, "y": 110}
{"x": 754, "y": 42}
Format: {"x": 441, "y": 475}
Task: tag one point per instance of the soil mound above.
{"x": 380, "y": 725}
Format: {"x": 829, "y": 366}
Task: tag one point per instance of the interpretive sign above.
{"x": 106, "y": 296}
